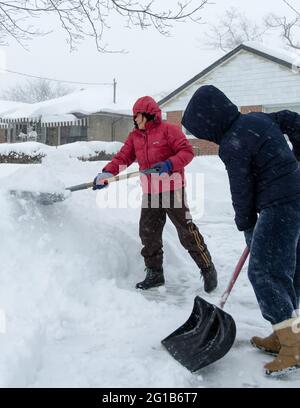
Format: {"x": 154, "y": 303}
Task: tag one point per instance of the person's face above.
{"x": 140, "y": 120}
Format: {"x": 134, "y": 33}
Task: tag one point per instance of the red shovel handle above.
{"x": 234, "y": 277}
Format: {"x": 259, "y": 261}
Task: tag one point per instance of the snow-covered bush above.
{"x": 21, "y": 158}
{"x": 33, "y": 152}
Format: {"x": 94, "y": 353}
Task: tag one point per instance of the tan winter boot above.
{"x": 268, "y": 344}
{"x": 288, "y": 359}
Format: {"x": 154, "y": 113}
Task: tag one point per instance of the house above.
{"x": 254, "y": 77}
{"x": 80, "y": 116}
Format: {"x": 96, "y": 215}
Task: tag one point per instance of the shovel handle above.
{"x": 127, "y": 176}
{"x": 122, "y": 177}
{"x": 234, "y": 277}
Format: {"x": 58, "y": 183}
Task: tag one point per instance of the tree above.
{"x": 89, "y": 18}
{"x": 36, "y": 90}
{"x": 289, "y": 28}
{"x": 233, "y": 29}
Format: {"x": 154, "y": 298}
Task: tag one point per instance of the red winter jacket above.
{"x": 160, "y": 141}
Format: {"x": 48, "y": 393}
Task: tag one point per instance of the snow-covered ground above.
{"x": 67, "y": 277}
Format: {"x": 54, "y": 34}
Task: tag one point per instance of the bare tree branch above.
{"x": 289, "y": 29}
{"x": 233, "y": 29}
{"x": 80, "y": 19}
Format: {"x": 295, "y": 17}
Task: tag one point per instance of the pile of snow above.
{"x": 87, "y": 150}
{"x": 68, "y": 274}
{"x": 28, "y": 178}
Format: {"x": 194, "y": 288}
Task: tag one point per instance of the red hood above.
{"x": 148, "y": 105}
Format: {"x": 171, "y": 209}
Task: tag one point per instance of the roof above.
{"x": 68, "y": 108}
{"x": 282, "y": 57}
{"x": 9, "y": 106}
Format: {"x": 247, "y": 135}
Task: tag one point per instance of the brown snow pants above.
{"x": 155, "y": 208}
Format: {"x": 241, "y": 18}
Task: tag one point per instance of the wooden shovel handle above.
{"x": 123, "y": 177}
{"x": 109, "y": 180}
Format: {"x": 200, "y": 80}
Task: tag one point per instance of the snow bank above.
{"x": 68, "y": 271}
{"x": 89, "y": 149}
{"x": 35, "y": 179}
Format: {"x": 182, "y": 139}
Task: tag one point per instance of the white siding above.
{"x": 247, "y": 79}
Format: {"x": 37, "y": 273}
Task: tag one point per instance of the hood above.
{"x": 209, "y": 114}
{"x": 148, "y": 105}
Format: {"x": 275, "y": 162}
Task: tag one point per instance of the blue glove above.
{"x": 248, "y": 236}
{"x": 164, "y": 167}
{"x": 99, "y": 180}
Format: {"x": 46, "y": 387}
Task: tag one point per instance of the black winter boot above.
{"x": 152, "y": 280}
{"x": 210, "y": 278}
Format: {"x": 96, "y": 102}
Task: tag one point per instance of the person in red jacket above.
{"x": 161, "y": 145}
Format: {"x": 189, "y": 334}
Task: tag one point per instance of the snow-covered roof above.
{"x": 65, "y": 120}
{"x": 9, "y": 106}
{"x": 289, "y": 59}
{"x": 289, "y": 56}
{"x": 62, "y": 109}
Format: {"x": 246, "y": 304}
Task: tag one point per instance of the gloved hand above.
{"x": 164, "y": 167}
{"x": 98, "y": 182}
{"x": 248, "y": 236}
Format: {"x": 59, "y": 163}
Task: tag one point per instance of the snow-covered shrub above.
{"x": 21, "y": 158}
{"x": 33, "y": 152}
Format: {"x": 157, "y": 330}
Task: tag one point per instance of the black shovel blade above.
{"x": 207, "y": 336}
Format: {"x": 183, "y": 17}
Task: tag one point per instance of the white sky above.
{"x": 154, "y": 64}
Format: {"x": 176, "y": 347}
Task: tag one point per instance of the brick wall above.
{"x": 251, "y": 108}
{"x": 203, "y": 147}
{"x": 175, "y": 118}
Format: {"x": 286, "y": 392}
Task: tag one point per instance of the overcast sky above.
{"x": 154, "y": 64}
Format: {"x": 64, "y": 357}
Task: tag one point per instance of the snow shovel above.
{"x": 208, "y": 334}
{"x": 51, "y": 198}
